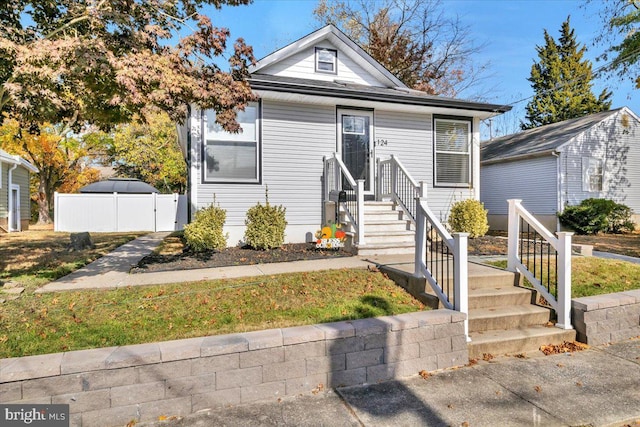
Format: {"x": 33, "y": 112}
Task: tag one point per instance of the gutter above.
{"x": 348, "y": 93}
{"x": 515, "y": 158}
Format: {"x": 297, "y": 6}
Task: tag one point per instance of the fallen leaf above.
{"x": 424, "y": 374}
{"x": 487, "y": 357}
{"x": 579, "y": 384}
{"x": 465, "y": 424}
{"x": 565, "y": 347}
{"x": 520, "y": 356}
{"x": 538, "y": 388}
{"x": 560, "y": 365}
{"x": 450, "y": 406}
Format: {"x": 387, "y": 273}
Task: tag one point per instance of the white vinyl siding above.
{"x": 295, "y": 137}
{"x": 4, "y": 200}
{"x": 303, "y": 65}
{"x": 20, "y": 177}
{"x": 452, "y": 164}
{"x": 534, "y": 181}
{"x": 409, "y": 137}
{"x": 615, "y": 141}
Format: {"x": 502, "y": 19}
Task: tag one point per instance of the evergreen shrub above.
{"x": 593, "y": 216}
{"x": 205, "y": 233}
{"x": 469, "y": 216}
{"x": 265, "y": 226}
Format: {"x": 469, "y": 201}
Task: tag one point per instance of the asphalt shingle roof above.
{"x": 540, "y": 140}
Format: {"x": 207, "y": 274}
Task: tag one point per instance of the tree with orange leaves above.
{"x": 59, "y": 155}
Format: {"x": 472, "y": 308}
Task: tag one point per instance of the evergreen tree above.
{"x": 562, "y": 82}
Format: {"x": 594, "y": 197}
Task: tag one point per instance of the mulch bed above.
{"x": 487, "y": 245}
{"x": 234, "y": 256}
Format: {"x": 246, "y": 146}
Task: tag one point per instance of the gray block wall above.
{"x": 113, "y": 386}
{"x": 606, "y": 318}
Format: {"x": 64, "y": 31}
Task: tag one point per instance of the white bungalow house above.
{"x": 15, "y": 209}
{"x": 561, "y": 164}
{"x": 327, "y": 108}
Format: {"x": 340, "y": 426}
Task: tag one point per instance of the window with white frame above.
{"x": 592, "y": 174}
{"x": 326, "y": 60}
{"x": 452, "y": 152}
{"x": 232, "y": 157}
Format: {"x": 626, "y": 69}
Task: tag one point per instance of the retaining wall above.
{"x": 112, "y": 386}
{"x": 607, "y": 318}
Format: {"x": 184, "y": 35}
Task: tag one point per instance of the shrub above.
{"x": 593, "y": 216}
{"x": 469, "y": 216}
{"x": 265, "y": 226}
{"x": 205, "y": 232}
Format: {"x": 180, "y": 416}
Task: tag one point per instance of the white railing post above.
{"x": 422, "y": 191}
{"x": 421, "y": 239}
{"x": 378, "y": 180}
{"x": 394, "y": 177}
{"x": 461, "y": 277}
{"x": 564, "y": 280}
{"x": 360, "y": 201}
{"x": 513, "y": 233}
{"x": 325, "y": 166}
{"x": 337, "y": 173}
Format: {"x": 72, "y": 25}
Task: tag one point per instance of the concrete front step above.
{"x": 388, "y": 225}
{"x": 491, "y": 277}
{"x": 516, "y": 340}
{"x": 394, "y": 248}
{"x": 388, "y": 236}
{"x": 496, "y": 296}
{"x": 507, "y": 317}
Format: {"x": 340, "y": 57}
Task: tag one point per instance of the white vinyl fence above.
{"x": 117, "y": 212}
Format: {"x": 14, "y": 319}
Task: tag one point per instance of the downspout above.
{"x": 9, "y": 185}
{"x": 557, "y": 155}
{"x": 188, "y": 150}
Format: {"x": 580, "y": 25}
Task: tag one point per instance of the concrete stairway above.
{"x": 502, "y": 317}
{"x": 387, "y": 230}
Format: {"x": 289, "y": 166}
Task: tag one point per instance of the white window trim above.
{"x": 587, "y": 163}
{"x": 258, "y": 142}
{"x": 469, "y": 153}
{"x": 334, "y": 62}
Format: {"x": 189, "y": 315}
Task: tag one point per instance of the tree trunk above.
{"x": 43, "y": 203}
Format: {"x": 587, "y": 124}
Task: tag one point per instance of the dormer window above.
{"x": 326, "y": 60}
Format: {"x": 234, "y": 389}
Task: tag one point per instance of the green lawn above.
{"x": 49, "y": 323}
{"x": 597, "y": 276}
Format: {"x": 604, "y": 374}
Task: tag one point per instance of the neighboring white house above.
{"x": 558, "y": 165}
{"x": 320, "y": 95}
{"x": 15, "y": 209}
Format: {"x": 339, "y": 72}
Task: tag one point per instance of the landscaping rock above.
{"x": 9, "y": 285}
{"x": 13, "y": 291}
{"x": 81, "y": 241}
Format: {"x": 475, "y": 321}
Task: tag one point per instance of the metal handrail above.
{"x": 441, "y": 258}
{"x": 402, "y": 188}
{"x": 354, "y": 204}
{"x": 560, "y": 297}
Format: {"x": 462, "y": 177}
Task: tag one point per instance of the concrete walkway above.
{"x": 596, "y": 387}
{"x": 112, "y": 270}
{"x": 609, "y": 255}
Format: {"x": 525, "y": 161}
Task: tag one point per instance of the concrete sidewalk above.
{"x": 112, "y": 270}
{"x": 596, "y": 387}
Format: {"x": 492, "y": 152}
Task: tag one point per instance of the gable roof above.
{"x": 541, "y": 140}
{"x": 341, "y": 41}
{"x": 16, "y": 160}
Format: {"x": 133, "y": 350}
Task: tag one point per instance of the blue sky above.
{"x": 510, "y": 29}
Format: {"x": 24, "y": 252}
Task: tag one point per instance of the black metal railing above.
{"x": 439, "y": 261}
{"x": 539, "y": 256}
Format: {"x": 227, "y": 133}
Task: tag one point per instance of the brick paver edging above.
{"x": 112, "y": 386}
{"x": 607, "y": 318}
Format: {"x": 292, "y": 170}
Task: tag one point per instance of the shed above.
{"x": 119, "y": 185}
{"x": 561, "y": 164}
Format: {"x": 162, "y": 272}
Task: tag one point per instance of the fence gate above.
{"x": 118, "y": 212}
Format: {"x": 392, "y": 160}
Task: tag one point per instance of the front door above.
{"x": 355, "y": 143}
